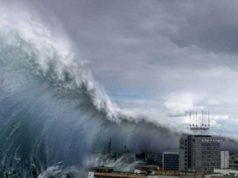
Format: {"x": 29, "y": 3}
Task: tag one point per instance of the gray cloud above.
{"x": 210, "y": 25}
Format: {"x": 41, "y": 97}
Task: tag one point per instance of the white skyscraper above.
{"x": 224, "y": 159}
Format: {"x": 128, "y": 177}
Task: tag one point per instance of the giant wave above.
{"x": 51, "y": 109}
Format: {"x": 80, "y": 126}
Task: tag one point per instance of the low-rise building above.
{"x": 154, "y": 158}
{"x": 170, "y": 160}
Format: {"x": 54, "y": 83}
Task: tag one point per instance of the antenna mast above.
{"x": 199, "y": 121}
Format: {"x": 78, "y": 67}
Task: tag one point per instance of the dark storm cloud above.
{"x": 134, "y": 35}
{"x": 210, "y": 25}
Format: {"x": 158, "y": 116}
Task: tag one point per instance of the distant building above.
{"x": 233, "y": 162}
{"x": 154, "y": 158}
{"x": 170, "y": 160}
{"x": 199, "y": 152}
{"x": 224, "y": 159}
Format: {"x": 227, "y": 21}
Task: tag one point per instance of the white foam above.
{"x": 54, "y": 50}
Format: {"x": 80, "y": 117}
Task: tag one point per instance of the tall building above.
{"x": 199, "y": 152}
{"x": 170, "y": 160}
{"x": 225, "y": 159}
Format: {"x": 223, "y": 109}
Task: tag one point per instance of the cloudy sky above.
{"x": 158, "y": 57}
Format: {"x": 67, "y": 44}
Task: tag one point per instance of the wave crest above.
{"x": 30, "y": 45}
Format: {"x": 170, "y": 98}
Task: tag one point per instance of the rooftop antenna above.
{"x": 202, "y": 119}
{"x": 190, "y": 115}
{"x": 196, "y": 119}
{"x": 199, "y": 121}
{"x": 208, "y": 119}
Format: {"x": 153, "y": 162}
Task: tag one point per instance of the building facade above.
{"x": 233, "y": 162}
{"x": 154, "y": 158}
{"x": 199, "y": 152}
{"x": 170, "y": 160}
{"x": 225, "y": 159}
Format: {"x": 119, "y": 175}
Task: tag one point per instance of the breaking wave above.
{"x": 52, "y": 110}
